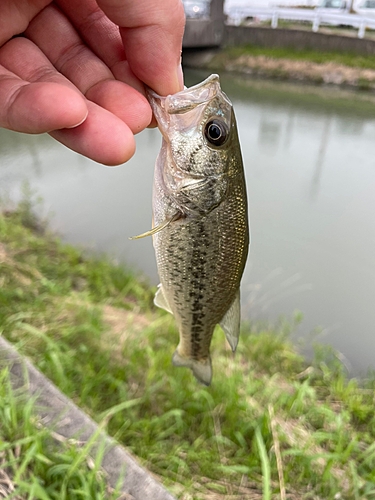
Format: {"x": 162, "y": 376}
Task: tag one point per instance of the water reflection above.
{"x": 352, "y": 128}
{"x": 289, "y": 130}
{"x": 269, "y": 134}
{"x": 315, "y": 183}
{"x": 310, "y": 172}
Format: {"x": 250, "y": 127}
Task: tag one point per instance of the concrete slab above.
{"x": 60, "y": 413}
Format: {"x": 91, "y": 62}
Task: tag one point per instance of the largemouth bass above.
{"x": 200, "y": 221}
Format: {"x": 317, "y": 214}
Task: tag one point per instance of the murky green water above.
{"x": 310, "y": 168}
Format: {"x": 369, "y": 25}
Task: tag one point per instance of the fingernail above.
{"x": 80, "y": 123}
{"x": 180, "y": 76}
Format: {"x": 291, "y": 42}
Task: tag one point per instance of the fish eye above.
{"x": 216, "y": 132}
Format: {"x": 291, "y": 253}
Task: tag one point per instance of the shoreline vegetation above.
{"x": 271, "y": 426}
{"x": 38, "y": 463}
{"x": 288, "y": 64}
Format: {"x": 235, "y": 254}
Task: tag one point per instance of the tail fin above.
{"x": 202, "y": 370}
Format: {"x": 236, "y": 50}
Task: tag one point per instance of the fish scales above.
{"x": 196, "y": 274}
{"x": 201, "y": 233}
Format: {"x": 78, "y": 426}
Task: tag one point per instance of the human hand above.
{"x": 78, "y": 70}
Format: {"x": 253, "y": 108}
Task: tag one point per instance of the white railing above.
{"x": 314, "y": 16}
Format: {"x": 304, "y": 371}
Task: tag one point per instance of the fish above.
{"x": 200, "y": 219}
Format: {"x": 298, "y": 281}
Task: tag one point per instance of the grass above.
{"x": 347, "y": 59}
{"x": 271, "y": 426}
{"x": 36, "y": 463}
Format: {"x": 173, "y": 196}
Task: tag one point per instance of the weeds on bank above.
{"x": 346, "y": 59}
{"x": 36, "y": 463}
{"x": 270, "y": 426}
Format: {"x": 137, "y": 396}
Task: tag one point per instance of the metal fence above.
{"x": 316, "y": 17}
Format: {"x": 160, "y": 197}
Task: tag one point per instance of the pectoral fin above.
{"x": 158, "y": 228}
{"x": 231, "y": 322}
{"x": 161, "y": 301}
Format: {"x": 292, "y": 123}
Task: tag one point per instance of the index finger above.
{"x": 152, "y": 32}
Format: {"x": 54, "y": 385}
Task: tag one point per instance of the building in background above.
{"x": 204, "y": 23}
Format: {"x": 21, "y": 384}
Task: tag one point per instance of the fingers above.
{"x": 52, "y": 32}
{"x": 44, "y": 104}
{"x": 35, "y": 108}
{"x": 34, "y": 97}
{"x": 102, "y": 137}
{"x": 102, "y": 36}
{"x": 94, "y": 27}
{"x": 16, "y": 15}
{"x": 152, "y": 32}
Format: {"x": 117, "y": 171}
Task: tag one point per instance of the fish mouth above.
{"x": 184, "y": 101}
{"x": 189, "y": 98}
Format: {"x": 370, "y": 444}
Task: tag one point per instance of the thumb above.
{"x": 152, "y": 32}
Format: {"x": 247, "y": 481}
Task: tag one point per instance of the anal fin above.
{"x": 161, "y": 301}
{"x": 202, "y": 369}
{"x": 231, "y": 322}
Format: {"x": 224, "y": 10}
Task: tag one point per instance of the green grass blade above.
{"x": 266, "y": 469}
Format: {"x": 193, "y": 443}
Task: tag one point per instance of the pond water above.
{"x": 310, "y": 167}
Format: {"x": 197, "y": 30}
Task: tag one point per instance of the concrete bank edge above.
{"x": 58, "y": 412}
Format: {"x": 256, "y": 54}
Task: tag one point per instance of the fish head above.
{"x": 200, "y": 139}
